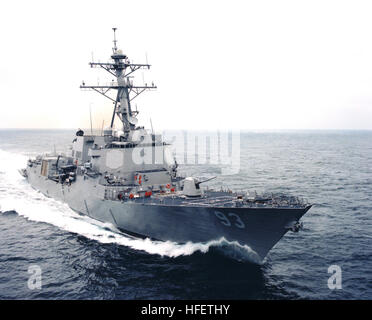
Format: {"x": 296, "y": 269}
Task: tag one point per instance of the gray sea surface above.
{"x": 82, "y": 259}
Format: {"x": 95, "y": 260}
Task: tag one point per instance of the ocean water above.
{"x": 82, "y": 259}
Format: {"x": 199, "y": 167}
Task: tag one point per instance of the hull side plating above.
{"x": 258, "y": 228}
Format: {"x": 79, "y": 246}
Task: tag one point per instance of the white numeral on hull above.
{"x": 237, "y": 222}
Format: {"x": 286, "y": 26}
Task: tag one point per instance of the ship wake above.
{"x": 17, "y": 195}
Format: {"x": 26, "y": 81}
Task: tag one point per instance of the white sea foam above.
{"x": 16, "y": 194}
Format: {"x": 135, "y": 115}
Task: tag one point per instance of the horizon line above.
{"x": 210, "y": 129}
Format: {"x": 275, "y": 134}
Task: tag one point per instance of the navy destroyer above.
{"x": 103, "y": 179}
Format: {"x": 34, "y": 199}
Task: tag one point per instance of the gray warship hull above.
{"x": 127, "y": 176}
{"x": 259, "y": 228}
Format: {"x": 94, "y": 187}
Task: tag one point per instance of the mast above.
{"x": 121, "y": 68}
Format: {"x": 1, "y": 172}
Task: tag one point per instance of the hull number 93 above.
{"x": 230, "y": 219}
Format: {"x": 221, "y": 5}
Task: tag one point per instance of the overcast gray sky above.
{"x": 217, "y": 64}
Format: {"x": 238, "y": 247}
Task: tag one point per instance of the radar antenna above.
{"x": 115, "y": 48}
{"x": 120, "y": 67}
